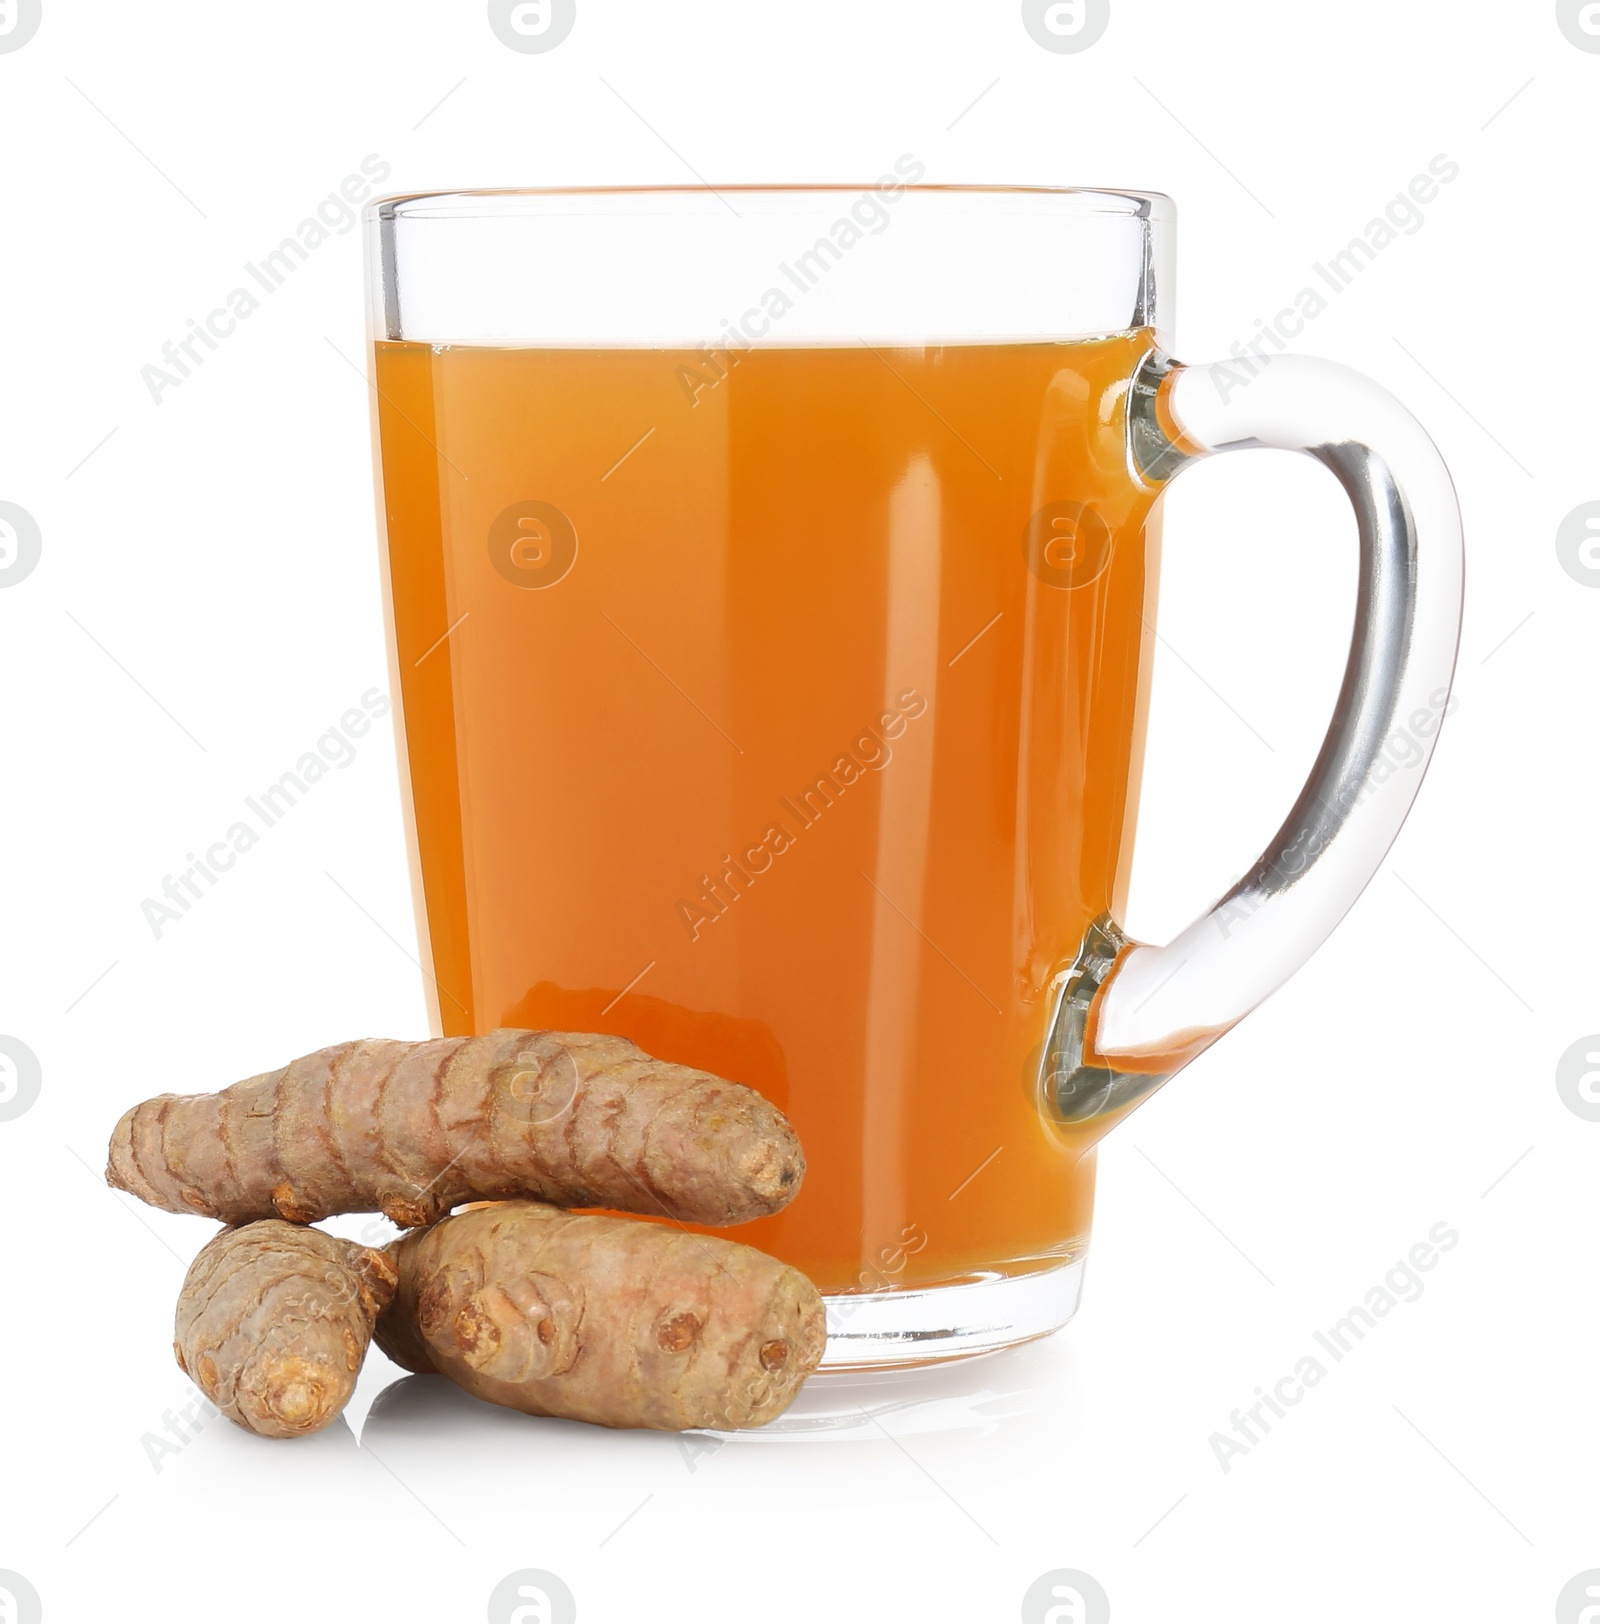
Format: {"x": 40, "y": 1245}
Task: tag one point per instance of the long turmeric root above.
{"x": 602, "y": 1319}
{"x": 273, "y": 1323}
{"x": 414, "y": 1129}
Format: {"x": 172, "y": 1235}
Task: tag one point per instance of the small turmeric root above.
{"x": 599, "y": 1319}
{"x": 414, "y": 1129}
{"x": 273, "y": 1323}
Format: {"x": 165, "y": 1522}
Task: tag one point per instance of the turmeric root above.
{"x": 602, "y": 1319}
{"x": 414, "y": 1129}
{"x": 273, "y": 1323}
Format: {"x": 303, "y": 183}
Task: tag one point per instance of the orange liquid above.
{"x": 799, "y": 773}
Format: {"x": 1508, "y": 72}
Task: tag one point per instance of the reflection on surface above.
{"x": 228, "y": 1446}
{"x": 975, "y": 1396}
{"x": 449, "y": 1467}
{"x": 418, "y": 1412}
{"x": 980, "y": 1398}
{"x": 430, "y": 1406}
{"x": 224, "y": 1464}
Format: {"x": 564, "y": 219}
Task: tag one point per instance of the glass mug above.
{"x": 771, "y": 584}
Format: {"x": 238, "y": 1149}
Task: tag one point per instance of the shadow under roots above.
{"x": 428, "y": 1409}
{"x": 984, "y": 1396}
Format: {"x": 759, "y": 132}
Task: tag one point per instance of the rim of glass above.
{"x": 464, "y": 203}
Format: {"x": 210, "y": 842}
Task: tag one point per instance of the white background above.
{"x": 207, "y": 604}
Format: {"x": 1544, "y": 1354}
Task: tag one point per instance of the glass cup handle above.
{"x": 1131, "y": 1015}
